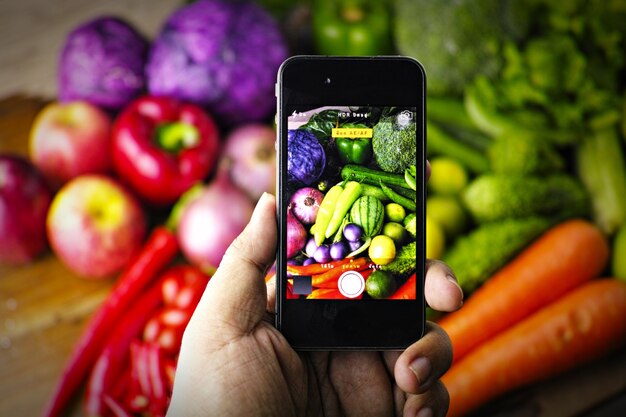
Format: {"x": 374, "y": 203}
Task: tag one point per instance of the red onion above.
{"x": 251, "y": 151}
{"x": 305, "y": 204}
{"x": 296, "y": 235}
{"x": 211, "y": 221}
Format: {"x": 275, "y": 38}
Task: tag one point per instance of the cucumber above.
{"x": 372, "y": 176}
{"x": 369, "y": 213}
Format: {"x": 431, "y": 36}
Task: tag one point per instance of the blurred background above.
{"x": 526, "y": 202}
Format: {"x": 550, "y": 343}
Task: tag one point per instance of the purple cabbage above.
{"x": 306, "y": 158}
{"x": 223, "y": 55}
{"x": 103, "y": 62}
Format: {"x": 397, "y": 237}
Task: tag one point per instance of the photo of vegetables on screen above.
{"x": 351, "y": 203}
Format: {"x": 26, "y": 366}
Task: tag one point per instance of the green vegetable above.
{"x": 497, "y": 197}
{"x": 351, "y": 27}
{"x": 348, "y": 196}
{"x": 602, "y": 170}
{"x": 398, "y": 198}
{"x": 354, "y": 150}
{"x": 372, "y": 176}
{"x": 404, "y": 263}
{"x": 409, "y": 177}
{"x": 410, "y": 224}
{"x": 325, "y": 213}
{"x": 380, "y": 285}
{"x": 369, "y": 213}
{"x": 523, "y": 153}
{"x": 393, "y": 141}
{"x": 367, "y": 189}
{"x": 476, "y": 256}
{"x": 441, "y": 143}
{"x": 457, "y": 39}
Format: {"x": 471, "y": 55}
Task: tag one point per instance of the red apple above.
{"x": 71, "y": 139}
{"x": 252, "y": 154}
{"x": 95, "y": 226}
{"x": 24, "y": 202}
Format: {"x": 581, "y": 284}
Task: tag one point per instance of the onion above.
{"x": 212, "y": 220}
{"x": 296, "y": 234}
{"x": 252, "y": 156}
{"x": 306, "y": 203}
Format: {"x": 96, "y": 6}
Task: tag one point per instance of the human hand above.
{"x": 233, "y": 361}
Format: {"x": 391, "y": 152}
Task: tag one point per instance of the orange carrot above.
{"x": 563, "y": 258}
{"x": 329, "y": 293}
{"x": 330, "y": 278}
{"x": 314, "y": 269}
{"x": 583, "y": 325}
{"x": 407, "y": 291}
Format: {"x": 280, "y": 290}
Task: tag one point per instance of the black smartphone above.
{"x": 350, "y": 206}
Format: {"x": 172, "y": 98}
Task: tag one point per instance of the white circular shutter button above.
{"x": 351, "y": 284}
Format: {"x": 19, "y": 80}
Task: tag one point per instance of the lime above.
{"x": 447, "y": 176}
{"x": 448, "y": 212}
{"x": 380, "y": 284}
{"x": 382, "y": 250}
{"x": 395, "y": 212}
{"x": 619, "y": 252}
{"x": 395, "y": 231}
{"x": 435, "y": 239}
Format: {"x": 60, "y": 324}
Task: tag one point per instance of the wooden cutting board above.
{"x": 44, "y": 307}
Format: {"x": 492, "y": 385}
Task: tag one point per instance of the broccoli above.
{"x": 523, "y": 153}
{"x": 495, "y": 197}
{"x": 476, "y": 256}
{"x": 458, "y": 39}
{"x": 404, "y": 262}
{"x": 393, "y": 142}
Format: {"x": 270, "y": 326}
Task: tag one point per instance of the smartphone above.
{"x": 350, "y": 205}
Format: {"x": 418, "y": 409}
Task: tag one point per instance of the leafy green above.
{"x": 393, "y": 141}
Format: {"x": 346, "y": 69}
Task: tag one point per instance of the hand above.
{"x": 233, "y": 361}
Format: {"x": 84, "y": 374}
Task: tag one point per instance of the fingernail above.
{"x": 421, "y": 367}
{"x": 453, "y": 280}
{"x": 425, "y": 412}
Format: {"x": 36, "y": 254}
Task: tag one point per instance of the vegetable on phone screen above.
{"x": 583, "y": 325}
{"x": 382, "y": 250}
{"x": 162, "y": 146}
{"x": 296, "y": 235}
{"x": 325, "y": 213}
{"x": 354, "y": 150}
{"x": 579, "y": 252}
{"x": 351, "y": 192}
{"x": 306, "y": 158}
{"x": 368, "y": 213}
{"x": 352, "y": 27}
{"x": 305, "y": 203}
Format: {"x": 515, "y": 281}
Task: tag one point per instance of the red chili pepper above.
{"x": 407, "y": 291}
{"x": 162, "y": 146}
{"x": 116, "y": 408}
{"x": 159, "y": 250}
{"x": 110, "y": 363}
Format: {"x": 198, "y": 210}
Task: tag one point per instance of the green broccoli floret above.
{"x": 476, "y": 256}
{"x": 457, "y": 39}
{"x": 524, "y": 154}
{"x": 393, "y": 142}
{"x": 496, "y": 197}
{"x": 404, "y": 262}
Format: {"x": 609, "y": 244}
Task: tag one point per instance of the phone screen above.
{"x": 351, "y": 201}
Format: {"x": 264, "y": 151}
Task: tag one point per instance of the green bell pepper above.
{"x": 354, "y": 150}
{"x": 352, "y": 27}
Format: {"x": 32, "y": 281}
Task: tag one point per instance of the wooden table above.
{"x": 44, "y": 306}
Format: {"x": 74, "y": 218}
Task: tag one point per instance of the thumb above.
{"x": 235, "y": 299}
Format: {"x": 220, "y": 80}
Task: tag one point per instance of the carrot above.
{"x": 583, "y": 325}
{"x": 564, "y": 257}
{"x": 314, "y": 269}
{"x": 408, "y": 290}
{"x": 330, "y": 278}
{"x": 328, "y": 294}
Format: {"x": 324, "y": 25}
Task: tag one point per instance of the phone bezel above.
{"x": 309, "y": 82}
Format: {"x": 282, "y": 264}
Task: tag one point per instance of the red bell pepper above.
{"x": 162, "y": 146}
